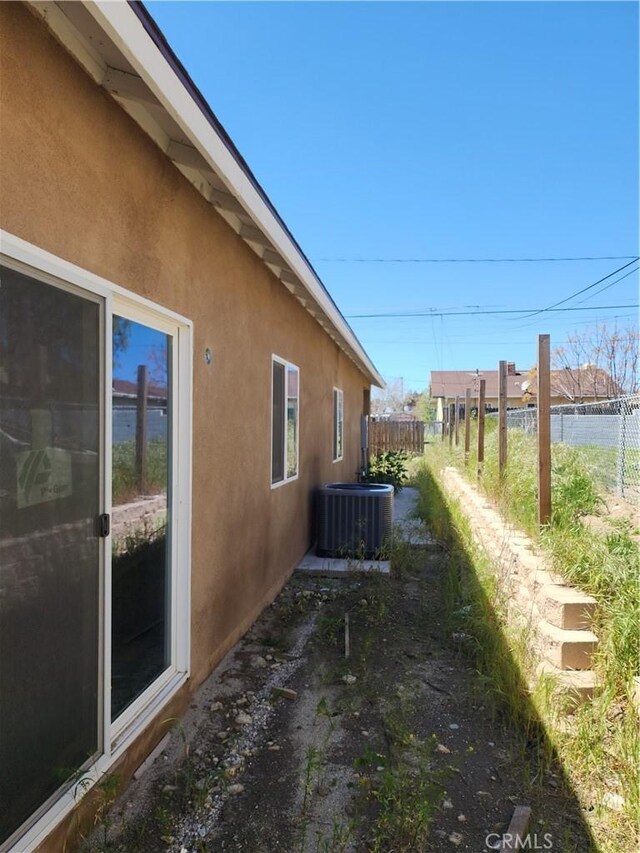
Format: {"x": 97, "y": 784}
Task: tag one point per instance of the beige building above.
{"x": 174, "y": 383}
{"x": 446, "y": 385}
{"x": 584, "y": 384}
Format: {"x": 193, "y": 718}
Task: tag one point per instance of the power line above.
{"x": 421, "y": 342}
{"x": 470, "y": 260}
{"x": 417, "y": 335}
{"x": 581, "y": 301}
{"x": 583, "y": 290}
{"x": 607, "y": 286}
{"x": 476, "y": 313}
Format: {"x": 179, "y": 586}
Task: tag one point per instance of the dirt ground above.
{"x": 613, "y": 511}
{"x": 397, "y": 747}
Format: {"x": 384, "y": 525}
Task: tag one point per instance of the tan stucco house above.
{"x": 446, "y": 385}
{"x": 147, "y": 514}
{"x": 584, "y": 384}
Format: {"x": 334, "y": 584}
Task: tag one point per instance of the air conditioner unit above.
{"x": 353, "y": 519}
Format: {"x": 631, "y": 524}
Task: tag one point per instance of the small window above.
{"x": 285, "y": 428}
{"x": 338, "y": 424}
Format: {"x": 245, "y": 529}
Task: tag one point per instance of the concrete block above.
{"x": 635, "y": 696}
{"x": 566, "y": 607}
{"x": 579, "y": 685}
{"x": 565, "y": 649}
{"x": 541, "y": 578}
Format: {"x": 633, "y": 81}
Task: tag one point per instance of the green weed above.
{"x": 390, "y": 467}
{"x": 401, "y": 786}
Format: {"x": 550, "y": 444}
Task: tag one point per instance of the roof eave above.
{"x": 152, "y": 86}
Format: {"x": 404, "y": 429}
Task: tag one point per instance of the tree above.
{"x": 158, "y": 364}
{"x": 427, "y": 407}
{"x": 393, "y": 399}
{"x": 121, "y": 337}
{"x": 388, "y": 399}
{"x": 597, "y": 363}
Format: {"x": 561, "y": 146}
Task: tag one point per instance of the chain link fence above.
{"x": 608, "y": 433}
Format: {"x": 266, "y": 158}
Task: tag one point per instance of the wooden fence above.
{"x": 396, "y": 435}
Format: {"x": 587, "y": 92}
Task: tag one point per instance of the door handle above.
{"x": 104, "y": 524}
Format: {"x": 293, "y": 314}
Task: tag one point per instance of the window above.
{"x": 338, "y": 424}
{"x": 285, "y": 414}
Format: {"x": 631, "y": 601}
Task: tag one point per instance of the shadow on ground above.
{"x": 471, "y": 617}
{"x": 423, "y": 738}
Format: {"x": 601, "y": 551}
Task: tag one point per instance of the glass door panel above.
{"x": 50, "y": 464}
{"x": 141, "y": 523}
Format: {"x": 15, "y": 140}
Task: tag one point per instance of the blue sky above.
{"x": 143, "y": 346}
{"x": 436, "y": 130}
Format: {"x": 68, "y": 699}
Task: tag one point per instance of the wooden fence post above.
{"x": 467, "y": 423}
{"x": 481, "y": 396}
{"x": 457, "y": 420}
{"x": 445, "y": 416}
{"x": 451, "y": 420}
{"x": 544, "y": 429}
{"x": 502, "y": 418}
{"x": 141, "y": 428}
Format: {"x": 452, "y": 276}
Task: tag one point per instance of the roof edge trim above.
{"x": 134, "y": 32}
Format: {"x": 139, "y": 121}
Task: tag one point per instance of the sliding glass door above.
{"x": 51, "y": 460}
{"x": 95, "y": 414}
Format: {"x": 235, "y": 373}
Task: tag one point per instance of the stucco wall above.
{"x": 79, "y": 179}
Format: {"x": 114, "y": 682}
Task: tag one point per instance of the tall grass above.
{"x": 125, "y": 484}
{"x": 604, "y": 564}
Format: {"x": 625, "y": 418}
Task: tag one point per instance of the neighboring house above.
{"x": 125, "y": 205}
{"x": 581, "y": 385}
{"x": 125, "y": 393}
{"x": 446, "y": 385}
{"x": 584, "y": 384}
{"x": 404, "y": 417}
{"x": 398, "y": 417}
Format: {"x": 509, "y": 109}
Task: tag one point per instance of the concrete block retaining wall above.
{"x": 557, "y": 618}
{"x": 144, "y": 512}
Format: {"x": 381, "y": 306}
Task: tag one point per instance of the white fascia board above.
{"x": 124, "y": 28}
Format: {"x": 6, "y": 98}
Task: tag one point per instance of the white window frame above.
{"x": 115, "y": 738}
{"x": 179, "y": 656}
{"x": 287, "y": 365}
